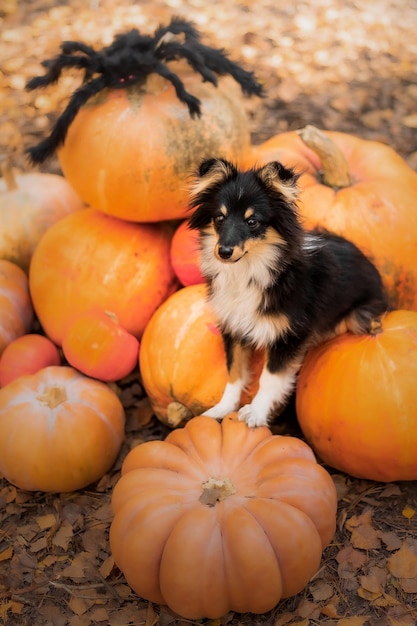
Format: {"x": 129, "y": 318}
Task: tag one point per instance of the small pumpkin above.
{"x": 16, "y": 311}
{"x": 220, "y": 517}
{"x": 27, "y": 355}
{"x": 92, "y": 260}
{"x": 361, "y": 189}
{"x": 59, "y": 430}
{"x": 98, "y": 346}
{"x": 29, "y": 204}
{"x": 182, "y": 359}
{"x": 185, "y": 254}
{"x": 356, "y": 400}
{"x": 160, "y": 109}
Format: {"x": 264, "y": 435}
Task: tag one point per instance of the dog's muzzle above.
{"x": 229, "y": 254}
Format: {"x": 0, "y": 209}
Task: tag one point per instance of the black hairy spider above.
{"x": 129, "y": 60}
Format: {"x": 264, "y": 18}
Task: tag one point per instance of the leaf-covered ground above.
{"x": 348, "y": 66}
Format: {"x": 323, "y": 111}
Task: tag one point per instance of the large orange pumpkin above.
{"x": 130, "y": 152}
{"x": 16, "y": 311}
{"x": 92, "y": 260}
{"x": 182, "y": 359}
{"x": 356, "y": 400}
{"x": 29, "y": 205}
{"x": 221, "y": 517}
{"x": 361, "y": 189}
{"x": 59, "y": 430}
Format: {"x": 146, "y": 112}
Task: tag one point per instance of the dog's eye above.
{"x": 218, "y": 219}
{"x": 252, "y": 223}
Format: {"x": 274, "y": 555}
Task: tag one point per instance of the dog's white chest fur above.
{"x": 236, "y": 301}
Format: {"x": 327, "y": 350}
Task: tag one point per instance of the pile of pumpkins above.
{"x": 105, "y": 262}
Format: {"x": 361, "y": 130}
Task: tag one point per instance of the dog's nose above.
{"x": 225, "y": 252}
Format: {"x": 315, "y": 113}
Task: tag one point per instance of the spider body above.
{"x": 130, "y": 59}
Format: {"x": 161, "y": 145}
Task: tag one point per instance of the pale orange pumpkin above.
{"x": 185, "y": 255}
{"x": 221, "y": 517}
{"x": 96, "y": 345}
{"x": 29, "y": 204}
{"x": 59, "y": 430}
{"x": 92, "y": 260}
{"x": 356, "y": 401}
{"x": 182, "y": 359}
{"x": 27, "y": 355}
{"x": 16, "y": 311}
{"x": 358, "y": 188}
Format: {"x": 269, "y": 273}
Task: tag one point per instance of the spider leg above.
{"x": 54, "y": 69}
{"x": 174, "y": 50}
{"x": 217, "y": 61}
{"x": 177, "y": 26}
{"x": 191, "y": 101}
{"x": 46, "y": 148}
{"x": 69, "y": 47}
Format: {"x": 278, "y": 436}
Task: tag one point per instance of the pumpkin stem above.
{"x": 177, "y": 413}
{"x": 8, "y": 175}
{"x": 215, "y": 490}
{"x": 376, "y": 326}
{"x": 53, "y": 396}
{"x": 335, "y": 170}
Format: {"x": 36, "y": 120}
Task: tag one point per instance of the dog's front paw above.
{"x": 253, "y": 418}
{"x": 216, "y": 412}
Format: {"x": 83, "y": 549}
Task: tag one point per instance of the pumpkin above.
{"x": 92, "y": 260}
{"x": 130, "y": 152}
{"x": 59, "y": 430}
{"x": 361, "y": 189}
{"x": 27, "y": 355}
{"x": 29, "y": 205}
{"x": 98, "y": 346}
{"x": 182, "y": 360}
{"x": 185, "y": 253}
{"x": 16, "y": 311}
{"x": 221, "y": 517}
{"x": 356, "y": 400}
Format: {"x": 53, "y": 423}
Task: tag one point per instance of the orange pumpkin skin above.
{"x": 27, "y": 210}
{"x": 182, "y": 359}
{"x": 27, "y": 355}
{"x": 16, "y": 311}
{"x": 185, "y": 255}
{"x": 96, "y": 345}
{"x": 130, "y": 152}
{"x": 59, "y": 430}
{"x": 356, "y": 401}
{"x": 89, "y": 260}
{"x": 221, "y": 517}
{"x": 377, "y": 211}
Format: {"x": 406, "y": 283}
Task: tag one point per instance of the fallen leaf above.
{"x": 403, "y": 564}
{"x": 408, "y": 511}
{"x": 63, "y": 536}
{"x": 46, "y": 521}
{"x": 321, "y": 591}
{"x": 6, "y": 554}
{"x": 352, "y": 621}
{"x": 350, "y": 561}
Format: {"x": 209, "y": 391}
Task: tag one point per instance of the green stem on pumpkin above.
{"x": 335, "y": 169}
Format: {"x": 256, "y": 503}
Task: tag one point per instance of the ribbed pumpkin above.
{"x": 356, "y": 401}
{"x": 182, "y": 359}
{"x": 361, "y": 189}
{"x": 16, "y": 311}
{"x": 59, "y": 430}
{"x": 29, "y": 205}
{"x": 221, "y": 517}
{"x": 92, "y": 260}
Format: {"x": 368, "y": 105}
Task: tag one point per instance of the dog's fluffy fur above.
{"x": 272, "y": 284}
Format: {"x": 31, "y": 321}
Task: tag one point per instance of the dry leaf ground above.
{"x": 348, "y": 66}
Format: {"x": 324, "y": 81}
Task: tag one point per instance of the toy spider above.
{"x": 129, "y": 60}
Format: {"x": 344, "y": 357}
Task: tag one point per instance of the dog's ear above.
{"x": 210, "y": 173}
{"x": 280, "y": 178}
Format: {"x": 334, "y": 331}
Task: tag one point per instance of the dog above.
{"x": 272, "y": 284}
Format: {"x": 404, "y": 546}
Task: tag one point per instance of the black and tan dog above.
{"x": 272, "y": 284}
